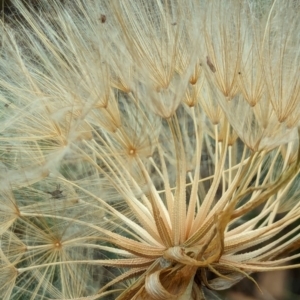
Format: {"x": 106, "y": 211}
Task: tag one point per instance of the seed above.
{"x": 57, "y": 193}
{"x": 210, "y": 64}
{"x": 103, "y": 18}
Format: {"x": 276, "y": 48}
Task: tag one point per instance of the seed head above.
{"x": 149, "y": 149}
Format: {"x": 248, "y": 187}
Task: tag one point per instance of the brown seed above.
{"x": 103, "y": 18}
{"x": 57, "y": 193}
{"x": 210, "y": 64}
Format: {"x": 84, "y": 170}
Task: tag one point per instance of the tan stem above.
{"x": 187, "y": 295}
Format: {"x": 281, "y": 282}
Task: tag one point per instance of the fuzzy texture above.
{"x": 159, "y": 138}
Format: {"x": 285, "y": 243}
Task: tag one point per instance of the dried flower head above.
{"x": 154, "y": 143}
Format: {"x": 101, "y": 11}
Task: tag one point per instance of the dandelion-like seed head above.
{"x": 149, "y": 149}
